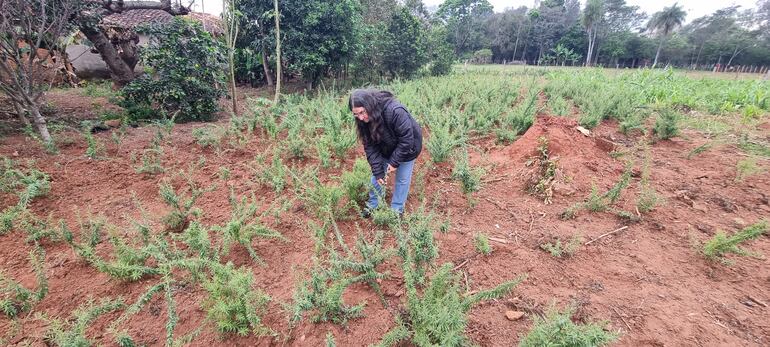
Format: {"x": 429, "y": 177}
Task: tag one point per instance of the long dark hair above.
{"x": 373, "y": 101}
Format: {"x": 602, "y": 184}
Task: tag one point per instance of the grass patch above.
{"x": 558, "y": 329}
{"x": 559, "y": 249}
{"x": 721, "y": 244}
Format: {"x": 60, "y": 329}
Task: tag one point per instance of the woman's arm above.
{"x": 404, "y": 131}
{"x": 375, "y": 159}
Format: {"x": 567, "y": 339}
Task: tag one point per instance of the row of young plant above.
{"x": 630, "y": 97}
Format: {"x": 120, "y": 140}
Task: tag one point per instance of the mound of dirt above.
{"x": 580, "y": 159}
{"x": 564, "y": 141}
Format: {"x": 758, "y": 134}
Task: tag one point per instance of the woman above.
{"x": 392, "y": 141}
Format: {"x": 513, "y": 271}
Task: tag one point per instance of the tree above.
{"x": 318, "y": 36}
{"x": 550, "y": 22}
{"x": 405, "y": 50}
{"x": 187, "y": 76}
{"x": 119, "y": 58}
{"x": 465, "y": 23}
{"x": 257, "y": 23}
{"x": 592, "y": 16}
{"x": 230, "y": 21}
{"x": 663, "y": 23}
{"x": 29, "y": 34}
{"x": 278, "y": 76}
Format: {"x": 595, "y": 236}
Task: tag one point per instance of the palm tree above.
{"x": 592, "y": 15}
{"x": 664, "y": 22}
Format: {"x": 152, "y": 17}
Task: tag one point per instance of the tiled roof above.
{"x": 133, "y": 18}
{"x": 211, "y": 23}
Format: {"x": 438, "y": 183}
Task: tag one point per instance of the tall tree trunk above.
{"x": 40, "y": 123}
{"x": 697, "y": 58}
{"x": 277, "y": 52}
{"x": 268, "y": 75}
{"x": 20, "y": 112}
{"x": 657, "y": 54}
{"x": 121, "y": 73}
{"x": 516, "y": 45}
{"x": 590, "y": 47}
{"x": 231, "y": 34}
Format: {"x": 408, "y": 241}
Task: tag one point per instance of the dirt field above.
{"x": 648, "y": 280}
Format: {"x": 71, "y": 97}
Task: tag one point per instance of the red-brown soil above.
{"x": 648, "y": 280}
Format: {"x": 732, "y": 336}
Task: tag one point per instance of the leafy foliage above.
{"x": 721, "y": 244}
{"x": 557, "y": 329}
{"x": 233, "y": 304}
{"x": 243, "y": 226}
{"x": 72, "y": 332}
{"x": 481, "y": 241}
{"x": 15, "y": 298}
{"x": 186, "y": 73}
{"x": 558, "y": 250}
{"x": 437, "y": 317}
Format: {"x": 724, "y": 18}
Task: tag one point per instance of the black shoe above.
{"x": 366, "y": 213}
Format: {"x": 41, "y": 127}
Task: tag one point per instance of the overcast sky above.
{"x": 694, "y": 8}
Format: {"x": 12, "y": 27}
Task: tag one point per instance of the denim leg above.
{"x": 376, "y": 192}
{"x": 401, "y": 190}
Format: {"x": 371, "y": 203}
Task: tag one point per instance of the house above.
{"x": 120, "y": 28}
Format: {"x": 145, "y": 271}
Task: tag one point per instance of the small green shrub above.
{"x": 559, "y": 106}
{"x": 469, "y": 178}
{"x": 559, "y": 250}
{"x": 244, "y": 226}
{"x": 186, "y": 77}
{"x": 72, "y": 332}
{"x": 720, "y": 245}
{"x": 233, "y": 304}
{"x": 385, "y": 216}
{"x": 557, "y": 329}
{"x": 442, "y": 141}
{"x": 666, "y": 126}
{"x": 438, "y": 316}
{"x": 746, "y": 168}
{"x": 151, "y": 161}
{"x": 209, "y": 136}
{"x": 182, "y": 203}
{"x": 357, "y": 182}
{"x": 482, "y": 244}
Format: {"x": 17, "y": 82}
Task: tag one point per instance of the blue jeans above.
{"x": 400, "y": 192}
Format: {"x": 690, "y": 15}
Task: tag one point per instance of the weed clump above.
{"x": 557, "y": 329}
{"x": 438, "y": 316}
{"x": 233, "y": 304}
{"x": 721, "y": 244}
{"x": 543, "y": 174}
{"x": 72, "y": 332}
{"x": 558, "y": 250}
{"x": 482, "y": 244}
{"x": 666, "y": 126}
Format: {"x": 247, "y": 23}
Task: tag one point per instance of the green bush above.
{"x": 666, "y": 126}
{"x": 438, "y": 316}
{"x": 357, "y": 181}
{"x": 185, "y": 74}
{"x": 233, "y": 303}
{"x": 557, "y": 329}
{"x": 720, "y": 245}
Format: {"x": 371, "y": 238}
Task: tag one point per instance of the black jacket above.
{"x": 401, "y": 139}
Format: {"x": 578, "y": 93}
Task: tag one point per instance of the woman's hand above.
{"x": 384, "y": 180}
